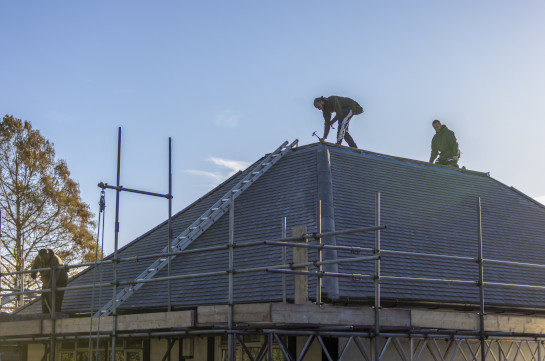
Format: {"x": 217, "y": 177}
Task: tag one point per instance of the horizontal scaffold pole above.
{"x": 121, "y": 188}
{"x": 322, "y": 274}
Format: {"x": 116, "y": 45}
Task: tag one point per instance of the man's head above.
{"x": 436, "y": 124}
{"x": 45, "y": 254}
{"x": 319, "y": 103}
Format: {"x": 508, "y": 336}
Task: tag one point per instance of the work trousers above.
{"x": 447, "y": 161}
{"x": 46, "y": 301}
{"x": 342, "y": 129}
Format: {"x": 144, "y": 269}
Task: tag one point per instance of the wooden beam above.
{"x": 300, "y": 255}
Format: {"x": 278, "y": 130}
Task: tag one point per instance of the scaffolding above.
{"x": 373, "y": 342}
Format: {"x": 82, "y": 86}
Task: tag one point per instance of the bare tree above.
{"x": 40, "y": 204}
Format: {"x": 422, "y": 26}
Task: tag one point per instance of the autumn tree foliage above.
{"x": 40, "y": 204}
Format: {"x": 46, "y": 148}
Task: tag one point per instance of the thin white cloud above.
{"x": 227, "y": 119}
{"x": 219, "y": 173}
{"x": 234, "y": 165}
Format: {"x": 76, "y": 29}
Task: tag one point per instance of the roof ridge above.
{"x": 402, "y": 159}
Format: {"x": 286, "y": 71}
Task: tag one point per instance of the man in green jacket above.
{"x": 47, "y": 258}
{"x": 445, "y": 145}
{"x": 344, "y": 108}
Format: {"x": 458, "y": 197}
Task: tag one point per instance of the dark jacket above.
{"x": 338, "y": 105}
{"x": 445, "y": 144}
{"x": 53, "y": 260}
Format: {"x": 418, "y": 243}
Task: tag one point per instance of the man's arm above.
{"x": 35, "y": 264}
{"x": 454, "y": 145}
{"x": 327, "y": 123}
{"x": 337, "y": 109}
{"x": 434, "y": 150}
{"x": 55, "y": 262}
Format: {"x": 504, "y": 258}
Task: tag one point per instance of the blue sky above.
{"x": 231, "y": 80}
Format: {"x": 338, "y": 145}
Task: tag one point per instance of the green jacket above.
{"x": 54, "y": 260}
{"x": 336, "y": 104}
{"x": 444, "y": 144}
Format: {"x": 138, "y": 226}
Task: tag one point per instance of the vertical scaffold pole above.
{"x": 270, "y": 348}
{"x": 116, "y": 242}
{"x": 377, "y": 279}
{"x": 232, "y": 350}
{"x": 1, "y": 283}
{"x": 230, "y": 336}
{"x": 1, "y": 263}
{"x": 22, "y": 284}
{"x": 169, "y": 237}
{"x": 52, "y": 309}
{"x": 319, "y": 231}
{"x": 481, "y": 276}
{"x": 284, "y": 231}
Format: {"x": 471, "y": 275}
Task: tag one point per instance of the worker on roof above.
{"x": 47, "y": 258}
{"x": 445, "y": 145}
{"x": 344, "y": 108}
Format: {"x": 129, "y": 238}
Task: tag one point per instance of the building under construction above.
{"x": 317, "y": 252}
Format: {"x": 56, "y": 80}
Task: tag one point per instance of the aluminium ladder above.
{"x": 207, "y": 219}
